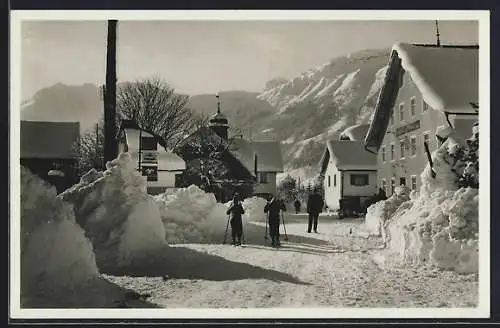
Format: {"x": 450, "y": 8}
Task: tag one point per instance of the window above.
{"x": 383, "y": 154}
{"x": 425, "y": 106}
{"x": 263, "y": 177}
{"x": 426, "y": 140}
{"x": 413, "y": 106}
{"x": 335, "y": 180}
{"x": 413, "y": 182}
{"x": 384, "y": 185}
{"x": 402, "y": 181}
{"x": 359, "y": 179}
{"x": 393, "y": 185}
{"x": 392, "y": 152}
{"x": 413, "y": 145}
{"x": 148, "y": 143}
{"x": 402, "y": 111}
{"x": 328, "y": 181}
{"x": 401, "y": 149}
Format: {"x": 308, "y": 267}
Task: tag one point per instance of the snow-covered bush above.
{"x": 55, "y": 255}
{"x": 118, "y": 216}
{"x": 439, "y": 225}
{"x": 191, "y": 215}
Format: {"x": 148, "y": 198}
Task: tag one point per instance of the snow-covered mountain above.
{"x": 318, "y": 104}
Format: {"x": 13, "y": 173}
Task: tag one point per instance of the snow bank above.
{"x": 378, "y": 215}
{"x": 119, "y": 217}
{"x": 55, "y": 254}
{"x": 439, "y": 225}
{"x": 190, "y": 215}
{"x": 254, "y": 208}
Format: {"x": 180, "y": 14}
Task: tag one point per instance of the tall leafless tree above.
{"x": 156, "y": 108}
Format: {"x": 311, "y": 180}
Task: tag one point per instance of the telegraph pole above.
{"x": 110, "y": 143}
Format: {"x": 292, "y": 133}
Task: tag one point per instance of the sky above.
{"x": 198, "y": 57}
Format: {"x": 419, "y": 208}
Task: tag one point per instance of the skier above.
{"x": 314, "y": 207}
{"x": 297, "y": 206}
{"x": 236, "y": 211}
{"x": 273, "y": 207}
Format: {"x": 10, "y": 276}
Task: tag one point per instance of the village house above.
{"x": 47, "y": 151}
{"x": 349, "y": 173}
{"x": 247, "y": 162}
{"x": 158, "y": 166}
{"x": 427, "y": 89}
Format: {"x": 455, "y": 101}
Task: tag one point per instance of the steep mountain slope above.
{"x": 318, "y": 104}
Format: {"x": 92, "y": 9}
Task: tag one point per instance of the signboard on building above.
{"x": 151, "y": 172}
{"x": 407, "y": 128}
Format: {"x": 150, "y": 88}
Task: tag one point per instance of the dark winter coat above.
{"x": 273, "y": 208}
{"x": 236, "y": 211}
{"x": 296, "y": 204}
{"x": 315, "y": 204}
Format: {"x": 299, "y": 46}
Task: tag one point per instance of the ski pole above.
{"x": 284, "y": 226}
{"x": 265, "y": 234}
{"x": 227, "y": 226}
{"x": 243, "y": 240}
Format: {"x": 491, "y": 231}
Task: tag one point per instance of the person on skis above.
{"x": 236, "y": 210}
{"x": 297, "y": 206}
{"x": 273, "y": 208}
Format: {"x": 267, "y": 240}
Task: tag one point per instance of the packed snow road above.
{"x": 339, "y": 267}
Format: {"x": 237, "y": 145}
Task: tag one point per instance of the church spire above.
{"x": 218, "y": 102}
{"x": 218, "y": 122}
{"x": 438, "y": 42}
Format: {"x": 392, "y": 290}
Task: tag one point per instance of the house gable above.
{"x": 445, "y": 76}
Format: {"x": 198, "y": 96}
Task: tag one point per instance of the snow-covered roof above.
{"x": 269, "y": 158}
{"x": 447, "y": 76}
{"x": 48, "y": 139}
{"x": 355, "y": 132}
{"x": 127, "y": 124}
{"x": 348, "y": 155}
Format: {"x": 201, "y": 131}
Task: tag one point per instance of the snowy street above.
{"x": 337, "y": 267}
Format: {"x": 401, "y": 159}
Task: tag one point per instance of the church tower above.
{"x": 218, "y": 122}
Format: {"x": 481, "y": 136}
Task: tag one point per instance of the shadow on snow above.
{"x": 185, "y": 263}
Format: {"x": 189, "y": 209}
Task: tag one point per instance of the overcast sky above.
{"x": 207, "y": 56}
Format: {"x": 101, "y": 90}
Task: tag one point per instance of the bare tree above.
{"x": 89, "y": 149}
{"x": 153, "y": 104}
